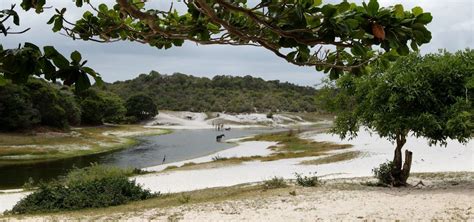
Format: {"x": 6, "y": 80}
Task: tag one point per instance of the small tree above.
{"x": 428, "y": 96}
{"x": 141, "y": 106}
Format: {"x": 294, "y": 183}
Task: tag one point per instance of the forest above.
{"x": 222, "y": 93}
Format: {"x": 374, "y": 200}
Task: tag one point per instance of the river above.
{"x": 177, "y": 146}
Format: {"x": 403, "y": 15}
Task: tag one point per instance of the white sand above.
{"x": 454, "y": 157}
{"x": 9, "y": 199}
{"x": 194, "y": 120}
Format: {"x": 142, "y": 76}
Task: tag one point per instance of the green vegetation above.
{"x": 274, "y": 183}
{"x": 39, "y": 103}
{"x": 294, "y": 31}
{"x": 289, "y": 146}
{"x": 307, "y": 181}
{"x": 383, "y": 173}
{"x": 99, "y": 106}
{"x": 141, "y": 107}
{"x": 333, "y": 158}
{"x": 426, "y": 96}
{"x": 221, "y": 93}
{"x": 91, "y": 187}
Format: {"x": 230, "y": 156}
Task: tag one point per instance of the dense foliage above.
{"x": 427, "y": 96}
{"x": 99, "y": 106}
{"x": 91, "y": 187}
{"x": 16, "y": 108}
{"x": 221, "y": 93}
{"x": 141, "y": 107}
{"x": 40, "y": 103}
{"x": 298, "y": 31}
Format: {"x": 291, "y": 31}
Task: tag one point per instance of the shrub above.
{"x": 141, "y": 106}
{"x": 307, "y": 181}
{"x": 91, "y": 187}
{"x": 383, "y": 173}
{"x": 275, "y": 182}
{"x": 270, "y": 115}
{"x": 16, "y": 108}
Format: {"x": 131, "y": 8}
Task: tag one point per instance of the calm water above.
{"x": 177, "y": 146}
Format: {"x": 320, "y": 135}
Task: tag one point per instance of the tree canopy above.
{"x": 220, "y": 94}
{"x": 330, "y": 37}
{"x": 426, "y": 96}
{"x": 141, "y": 107}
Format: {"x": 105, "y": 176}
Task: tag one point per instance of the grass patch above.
{"x": 17, "y": 148}
{"x": 289, "y": 146}
{"x": 274, "y": 183}
{"x": 219, "y": 158}
{"x": 333, "y": 158}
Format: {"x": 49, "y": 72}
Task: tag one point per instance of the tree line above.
{"x": 222, "y": 93}
{"x": 41, "y": 103}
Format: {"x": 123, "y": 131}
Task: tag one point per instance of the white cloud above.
{"x": 451, "y": 29}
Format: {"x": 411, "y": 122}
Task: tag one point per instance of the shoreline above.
{"x": 115, "y": 140}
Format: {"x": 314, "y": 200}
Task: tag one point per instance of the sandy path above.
{"x": 377, "y": 205}
{"x": 346, "y": 200}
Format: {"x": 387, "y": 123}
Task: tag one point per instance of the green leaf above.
{"x": 399, "y": 11}
{"x": 59, "y": 60}
{"x": 58, "y": 24}
{"x": 372, "y": 7}
{"x": 79, "y": 3}
{"x": 403, "y": 50}
{"x": 417, "y": 10}
{"x": 424, "y": 18}
{"x": 76, "y": 57}
{"x": 291, "y": 55}
{"x": 317, "y": 3}
{"x": 89, "y": 71}
{"x": 16, "y": 18}
{"x": 82, "y": 82}
{"x": 103, "y": 8}
{"x": 3, "y": 29}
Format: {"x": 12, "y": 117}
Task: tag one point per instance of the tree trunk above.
{"x": 399, "y": 174}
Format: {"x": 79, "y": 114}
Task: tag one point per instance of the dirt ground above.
{"x": 444, "y": 196}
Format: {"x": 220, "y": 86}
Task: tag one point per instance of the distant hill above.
{"x": 181, "y": 92}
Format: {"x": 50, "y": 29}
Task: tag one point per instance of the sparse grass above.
{"x": 274, "y": 183}
{"x": 16, "y": 148}
{"x": 289, "y": 146}
{"x": 219, "y": 158}
{"x": 189, "y": 164}
{"x": 184, "y": 198}
{"x": 217, "y": 195}
{"x": 171, "y": 167}
{"x": 333, "y": 158}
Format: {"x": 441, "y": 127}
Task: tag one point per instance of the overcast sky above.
{"x": 452, "y": 29}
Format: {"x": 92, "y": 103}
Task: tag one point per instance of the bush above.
{"x": 383, "y": 173}
{"x": 91, "y": 187}
{"x": 141, "y": 106}
{"x": 16, "y": 108}
{"x": 270, "y": 115}
{"x": 275, "y": 182}
{"x": 307, "y": 181}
